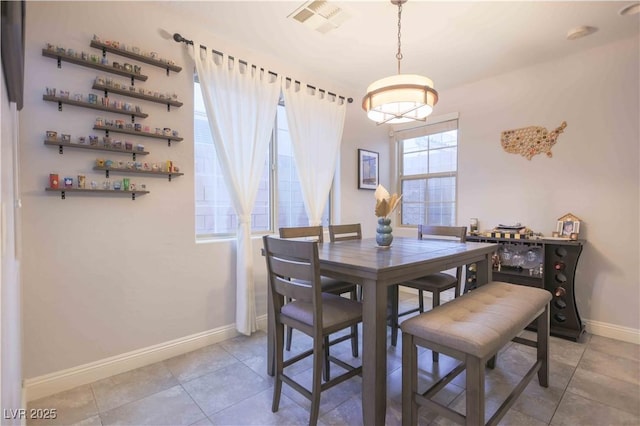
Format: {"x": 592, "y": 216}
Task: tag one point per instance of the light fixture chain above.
{"x": 399, "y": 54}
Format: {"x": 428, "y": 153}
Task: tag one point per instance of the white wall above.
{"x": 594, "y": 171}
{"x": 105, "y": 276}
{"x": 10, "y": 302}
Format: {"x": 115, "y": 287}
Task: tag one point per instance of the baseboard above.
{"x": 612, "y": 331}
{"x": 49, "y": 384}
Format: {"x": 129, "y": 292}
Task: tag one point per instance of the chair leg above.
{"x": 277, "y": 386}
{"x": 289, "y": 330}
{"x": 354, "y": 329}
{"x": 354, "y": 341}
{"x": 289, "y": 337}
{"x": 393, "y": 297}
{"x": 325, "y": 357}
{"x": 421, "y": 301}
{"x": 436, "y": 302}
{"x": 319, "y": 346}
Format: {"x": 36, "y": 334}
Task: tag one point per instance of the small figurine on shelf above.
{"x": 53, "y": 181}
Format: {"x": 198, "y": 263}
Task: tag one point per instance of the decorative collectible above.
{"x": 530, "y": 141}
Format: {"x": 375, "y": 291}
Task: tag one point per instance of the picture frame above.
{"x": 368, "y": 169}
{"x": 13, "y": 24}
{"x": 568, "y": 226}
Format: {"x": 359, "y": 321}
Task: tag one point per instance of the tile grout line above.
{"x": 184, "y": 390}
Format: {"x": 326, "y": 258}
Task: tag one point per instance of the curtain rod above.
{"x": 178, "y": 38}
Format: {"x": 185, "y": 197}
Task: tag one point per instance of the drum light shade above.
{"x": 399, "y": 99}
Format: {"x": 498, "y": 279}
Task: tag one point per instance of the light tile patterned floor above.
{"x": 596, "y": 382}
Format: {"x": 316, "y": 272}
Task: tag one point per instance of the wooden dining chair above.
{"x": 434, "y": 283}
{"x": 329, "y": 285}
{"x": 346, "y": 232}
{"x": 294, "y": 273}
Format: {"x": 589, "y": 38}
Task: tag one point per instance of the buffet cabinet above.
{"x": 545, "y": 263}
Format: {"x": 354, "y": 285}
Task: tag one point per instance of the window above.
{"x": 215, "y": 215}
{"x": 428, "y": 173}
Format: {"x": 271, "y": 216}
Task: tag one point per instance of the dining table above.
{"x": 376, "y": 269}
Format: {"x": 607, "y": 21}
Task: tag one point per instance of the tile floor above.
{"x": 596, "y": 382}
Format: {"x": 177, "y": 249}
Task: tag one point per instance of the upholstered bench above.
{"x": 473, "y": 328}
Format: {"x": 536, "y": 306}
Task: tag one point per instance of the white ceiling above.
{"x": 451, "y": 42}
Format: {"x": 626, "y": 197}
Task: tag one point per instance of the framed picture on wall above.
{"x": 13, "y": 50}
{"x": 368, "y": 169}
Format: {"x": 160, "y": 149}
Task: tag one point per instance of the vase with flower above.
{"x": 385, "y": 205}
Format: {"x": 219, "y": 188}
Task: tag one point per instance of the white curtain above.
{"x": 315, "y": 123}
{"x": 241, "y": 104}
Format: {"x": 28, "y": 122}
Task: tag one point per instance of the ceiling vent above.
{"x": 320, "y": 15}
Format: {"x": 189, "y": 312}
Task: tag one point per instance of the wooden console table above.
{"x": 543, "y": 263}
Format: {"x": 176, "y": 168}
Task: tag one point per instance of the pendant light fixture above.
{"x": 402, "y": 97}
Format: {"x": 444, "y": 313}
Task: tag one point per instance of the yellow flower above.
{"x": 385, "y": 203}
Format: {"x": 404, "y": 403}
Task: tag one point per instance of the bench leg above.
{"x": 409, "y": 380}
{"x": 543, "y": 347}
{"x": 475, "y": 391}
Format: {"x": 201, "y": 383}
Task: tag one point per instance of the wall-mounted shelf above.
{"x": 82, "y": 104}
{"x": 130, "y": 93}
{"x": 138, "y": 133}
{"x": 63, "y": 191}
{"x": 82, "y": 62}
{"x": 136, "y": 56}
{"x": 135, "y": 171}
{"x": 61, "y": 144}
{"x": 104, "y": 65}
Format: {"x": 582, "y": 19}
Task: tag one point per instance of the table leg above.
{"x": 374, "y": 353}
{"x": 484, "y": 270}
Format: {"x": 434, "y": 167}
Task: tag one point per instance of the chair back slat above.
{"x": 426, "y": 231}
{"x": 298, "y": 290}
{"x": 291, "y": 267}
{"x": 303, "y": 231}
{"x": 352, "y": 231}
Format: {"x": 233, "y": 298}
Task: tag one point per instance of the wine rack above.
{"x": 558, "y": 262}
